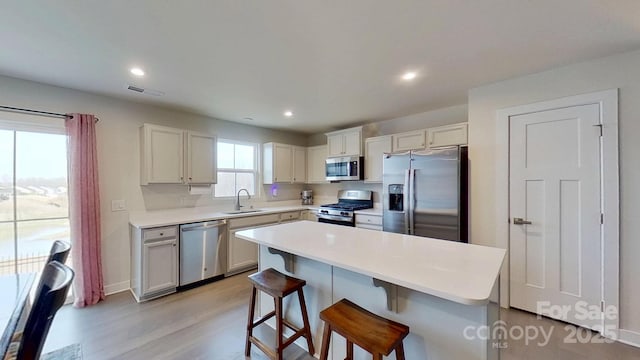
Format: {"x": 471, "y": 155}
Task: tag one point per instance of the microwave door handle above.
{"x": 405, "y": 201}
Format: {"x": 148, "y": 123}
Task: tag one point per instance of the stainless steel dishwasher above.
{"x": 203, "y": 251}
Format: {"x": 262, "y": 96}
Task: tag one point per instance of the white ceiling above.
{"x": 333, "y": 63}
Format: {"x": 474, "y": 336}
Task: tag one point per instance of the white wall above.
{"x": 619, "y": 71}
{"x": 119, "y": 159}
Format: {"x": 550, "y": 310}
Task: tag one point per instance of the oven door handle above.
{"x": 333, "y": 217}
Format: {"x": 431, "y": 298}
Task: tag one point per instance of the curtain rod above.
{"x": 65, "y": 116}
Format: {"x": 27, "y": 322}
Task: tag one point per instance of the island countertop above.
{"x": 463, "y": 273}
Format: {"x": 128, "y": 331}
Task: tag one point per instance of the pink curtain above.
{"x": 84, "y": 209}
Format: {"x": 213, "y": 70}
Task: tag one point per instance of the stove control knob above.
{"x": 344, "y": 213}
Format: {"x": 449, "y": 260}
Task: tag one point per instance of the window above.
{"x": 237, "y": 168}
{"x": 33, "y": 197}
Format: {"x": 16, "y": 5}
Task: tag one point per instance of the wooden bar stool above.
{"x": 373, "y": 333}
{"x": 277, "y": 285}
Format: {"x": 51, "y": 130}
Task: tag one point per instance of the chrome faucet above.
{"x": 238, "y": 206}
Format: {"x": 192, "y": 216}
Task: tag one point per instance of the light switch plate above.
{"x": 118, "y": 205}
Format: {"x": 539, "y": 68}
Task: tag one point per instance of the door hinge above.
{"x": 601, "y": 218}
{"x": 600, "y": 126}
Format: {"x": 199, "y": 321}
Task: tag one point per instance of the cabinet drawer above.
{"x": 253, "y": 220}
{"x": 368, "y": 219}
{"x": 160, "y": 233}
{"x": 289, "y": 216}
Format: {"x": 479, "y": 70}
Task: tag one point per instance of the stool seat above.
{"x": 275, "y": 283}
{"x": 278, "y": 285}
{"x": 373, "y": 333}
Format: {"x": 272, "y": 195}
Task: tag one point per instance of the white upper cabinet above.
{"x": 316, "y": 160}
{"x": 299, "y": 155}
{"x": 162, "y": 160}
{"x": 374, "y": 148}
{"x": 345, "y": 142}
{"x": 201, "y": 158}
{"x": 176, "y": 156}
{"x": 449, "y": 135}
{"x": 412, "y": 140}
{"x": 283, "y": 163}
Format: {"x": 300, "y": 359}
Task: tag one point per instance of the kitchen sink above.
{"x": 241, "y": 211}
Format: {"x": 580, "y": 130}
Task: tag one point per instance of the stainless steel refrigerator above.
{"x": 425, "y": 193}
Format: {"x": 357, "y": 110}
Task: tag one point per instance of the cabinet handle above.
{"x": 205, "y": 269}
{"x": 174, "y": 245}
{"x": 190, "y": 179}
{"x": 161, "y": 234}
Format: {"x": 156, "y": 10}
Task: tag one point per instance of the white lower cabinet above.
{"x": 242, "y": 254}
{"x": 154, "y": 262}
{"x": 160, "y": 260}
{"x": 367, "y": 221}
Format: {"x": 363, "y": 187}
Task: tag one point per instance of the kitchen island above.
{"x": 444, "y": 291}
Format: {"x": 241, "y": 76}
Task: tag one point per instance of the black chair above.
{"x": 59, "y": 251}
{"x": 51, "y": 295}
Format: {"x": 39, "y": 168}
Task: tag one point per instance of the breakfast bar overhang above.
{"x": 446, "y": 292}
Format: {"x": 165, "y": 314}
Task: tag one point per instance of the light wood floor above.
{"x": 209, "y": 323}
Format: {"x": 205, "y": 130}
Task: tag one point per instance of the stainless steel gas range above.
{"x": 342, "y": 213}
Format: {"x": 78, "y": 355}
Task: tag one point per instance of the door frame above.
{"x": 610, "y": 241}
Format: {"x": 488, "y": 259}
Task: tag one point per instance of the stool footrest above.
{"x": 262, "y": 346}
{"x": 263, "y": 319}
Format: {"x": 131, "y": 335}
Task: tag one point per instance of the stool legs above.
{"x": 278, "y": 305}
{"x": 305, "y": 321}
{"x": 326, "y": 338}
{"x": 252, "y": 307}
{"x": 400, "y": 352}
{"x": 349, "y": 350}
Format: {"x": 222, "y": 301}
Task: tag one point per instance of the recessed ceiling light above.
{"x": 409, "y": 75}
{"x": 137, "y": 71}
{"x": 288, "y": 113}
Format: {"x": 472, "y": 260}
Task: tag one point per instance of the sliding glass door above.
{"x": 34, "y": 207}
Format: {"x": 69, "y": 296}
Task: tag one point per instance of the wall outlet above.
{"x": 118, "y": 205}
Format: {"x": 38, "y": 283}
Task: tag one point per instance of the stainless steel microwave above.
{"x": 344, "y": 168}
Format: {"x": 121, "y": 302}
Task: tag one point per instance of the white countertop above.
{"x": 459, "y": 272}
{"x": 148, "y": 219}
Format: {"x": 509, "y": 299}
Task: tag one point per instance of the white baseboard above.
{"x": 629, "y": 337}
{"x": 116, "y": 288}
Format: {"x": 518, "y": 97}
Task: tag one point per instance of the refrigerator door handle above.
{"x": 412, "y": 200}
{"x": 406, "y": 203}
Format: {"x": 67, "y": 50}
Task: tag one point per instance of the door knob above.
{"x": 521, "y": 221}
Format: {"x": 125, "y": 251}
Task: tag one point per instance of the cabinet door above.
{"x": 411, "y": 140}
{"x": 352, "y": 143}
{"x": 201, "y": 158}
{"x": 282, "y": 163}
{"x": 449, "y": 135}
{"x": 335, "y": 145}
{"x": 311, "y": 215}
{"x": 316, "y": 160}
{"x": 243, "y": 254}
{"x": 299, "y": 164}
{"x": 162, "y": 155}
{"x": 160, "y": 266}
{"x": 374, "y": 149}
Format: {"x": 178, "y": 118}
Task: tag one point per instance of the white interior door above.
{"x": 555, "y": 265}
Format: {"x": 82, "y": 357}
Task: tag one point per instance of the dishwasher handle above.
{"x": 202, "y": 226}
